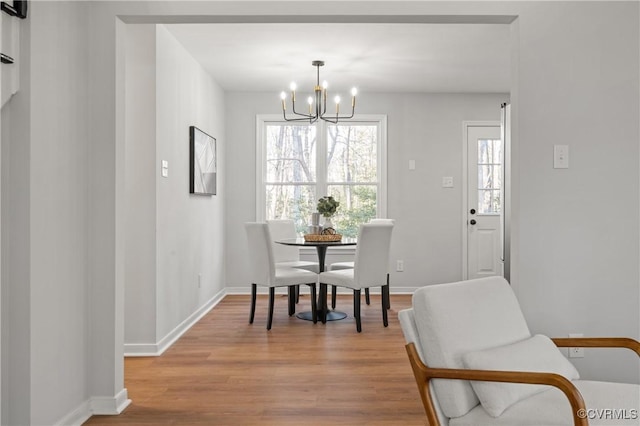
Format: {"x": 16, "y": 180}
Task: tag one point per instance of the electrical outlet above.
{"x": 400, "y": 265}
{"x": 561, "y": 156}
{"x": 575, "y": 352}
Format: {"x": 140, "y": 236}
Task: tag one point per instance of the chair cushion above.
{"x": 454, "y": 319}
{"x": 293, "y": 276}
{"x": 300, "y": 264}
{"x": 341, "y": 277}
{"x": 607, "y": 404}
{"x": 537, "y": 353}
{"x": 341, "y": 265}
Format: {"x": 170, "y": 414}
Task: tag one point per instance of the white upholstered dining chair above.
{"x": 369, "y": 270}
{"x": 264, "y": 272}
{"x": 476, "y": 363}
{"x": 282, "y": 229}
{"x": 349, "y": 265}
{"x": 288, "y": 256}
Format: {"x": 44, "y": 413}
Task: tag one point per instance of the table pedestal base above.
{"x": 331, "y": 316}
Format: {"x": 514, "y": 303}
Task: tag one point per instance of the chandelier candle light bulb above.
{"x": 292, "y": 86}
{"x": 317, "y": 106}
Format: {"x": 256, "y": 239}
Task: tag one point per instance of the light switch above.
{"x": 561, "y": 156}
{"x": 165, "y": 168}
{"x": 412, "y": 164}
{"x": 447, "y": 182}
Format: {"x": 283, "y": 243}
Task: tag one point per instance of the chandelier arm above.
{"x": 310, "y": 119}
{"x": 301, "y": 116}
{"x": 333, "y": 119}
{"x": 293, "y": 107}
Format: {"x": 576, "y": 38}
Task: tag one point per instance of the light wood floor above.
{"x": 224, "y": 371}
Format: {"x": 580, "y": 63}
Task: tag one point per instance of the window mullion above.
{"x": 321, "y": 159}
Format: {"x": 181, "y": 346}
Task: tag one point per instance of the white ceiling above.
{"x": 372, "y": 57}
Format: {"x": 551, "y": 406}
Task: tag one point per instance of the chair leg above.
{"x": 388, "y": 294}
{"x": 385, "y": 302}
{"x": 291, "y": 293}
{"x": 334, "y": 292}
{"x": 385, "y": 290}
{"x": 314, "y": 307}
{"x": 297, "y": 293}
{"x": 366, "y": 296}
{"x": 356, "y": 309}
{"x": 323, "y": 303}
{"x": 254, "y": 290}
{"x": 272, "y": 297}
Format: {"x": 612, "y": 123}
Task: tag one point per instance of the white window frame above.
{"x": 321, "y": 172}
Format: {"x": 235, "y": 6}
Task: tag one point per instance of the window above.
{"x": 297, "y": 163}
{"x": 489, "y": 175}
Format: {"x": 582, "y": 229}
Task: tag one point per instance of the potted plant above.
{"x": 327, "y": 207}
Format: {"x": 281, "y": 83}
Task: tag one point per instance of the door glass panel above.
{"x": 497, "y": 173}
{"x": 497, "y": 151}
{"x": 489, "y": 175}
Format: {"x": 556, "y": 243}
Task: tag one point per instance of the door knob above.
{"x": 472, "y": 221}
{"x": 472, "y": 211}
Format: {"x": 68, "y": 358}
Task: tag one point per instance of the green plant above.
{"x": 327, "y": 206}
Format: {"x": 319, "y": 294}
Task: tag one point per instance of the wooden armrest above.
{"x": 598, "y": 342}
{"x": 424, "y": 374}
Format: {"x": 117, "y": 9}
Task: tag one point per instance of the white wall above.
{"x": 576, "y": 82}
{"x": 190, "y": 233}
{"x": 47, "y": 199}
{"x": 172, "y": 236}
{"x": 16, "y": 303}
{"x": 426, "y": 128}
{"x": 58, "y": 211}
{"x": 578, "y": 247}
{"x": 140, "y": 186}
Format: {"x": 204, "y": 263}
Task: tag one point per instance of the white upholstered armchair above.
{"x": 476, "y": 363}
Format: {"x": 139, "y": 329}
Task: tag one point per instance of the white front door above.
{"x": 484, "y": 183}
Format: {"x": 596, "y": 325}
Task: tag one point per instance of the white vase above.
{"x": 327, "y": 223}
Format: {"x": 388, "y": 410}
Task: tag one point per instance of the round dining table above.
{"x": 321, "y": 249}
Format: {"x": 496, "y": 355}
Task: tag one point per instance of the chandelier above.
{"x": 317, "y": 103}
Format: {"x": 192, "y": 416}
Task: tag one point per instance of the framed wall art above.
{"x": 202, "y": 162}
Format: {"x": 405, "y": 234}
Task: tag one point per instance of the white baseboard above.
{"x": 110, "y": 405}
{"x": 403, "y": 290}
{"x": 157, "y": 349}
{"x": 95, "y": 406}
{"x": 76, "y": 417}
